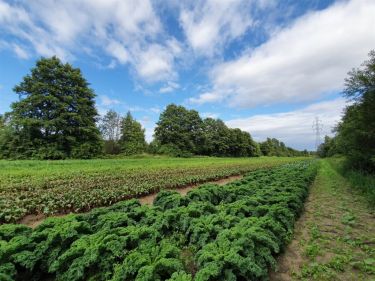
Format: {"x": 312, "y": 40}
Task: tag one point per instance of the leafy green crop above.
{"x": 51, "y": 187}
{"x": 230, "y": 232}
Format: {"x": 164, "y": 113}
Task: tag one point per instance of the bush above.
{"x": 173, "y": 151}
{"x": 86, "y": 151}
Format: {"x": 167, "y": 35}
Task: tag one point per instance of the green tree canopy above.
{"x": 180, "y": 127}
{"x": 2, "y": 121}
{"x": 132, "y": 139}
{"x": 55, "y": 115}
{"x": 185, "y": 131}
{"x": 274, "y": 147}
{"x": 216, "y": 137}
{"x": 327, "y": 148}
{"x": 110, "y": 128}
{"x": 356, "y": 131}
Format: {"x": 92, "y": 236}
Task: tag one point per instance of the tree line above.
{"x": 274, "y": 147}
{"x": 355, "y": 133}
{"x": 56, "y": 118}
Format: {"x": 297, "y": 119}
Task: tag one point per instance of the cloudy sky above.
{"x": 268, "y": 66}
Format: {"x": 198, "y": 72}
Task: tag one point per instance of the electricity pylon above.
{"x": 317, "y": 127}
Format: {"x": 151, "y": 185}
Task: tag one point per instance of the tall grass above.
{"x": 361, "y": 181}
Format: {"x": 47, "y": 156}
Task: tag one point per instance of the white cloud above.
{"x": 210, "y": 115}
{"x": 206, "y": 98}
{"x": 106, "y": 101}
{"x": 209, "y": 25}
{"x": 149, "y": 133}
{"x": 293, "y": 127}
{"x": 128, "y": 31}
{"x": 169, "y": 87}
{"x": 155, "y": 110}
{"x": 301, "y": 62}
{"x": 155, "y": 63}
{"x": 20, "y": 51}
{"x": 118, "y": 51}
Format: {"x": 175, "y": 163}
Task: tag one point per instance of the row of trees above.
{"x": 56, "y": 118}
{"x": 181, "y": 132}
{"x": 355, "y": 134}
{"x": 274, "y": 147}
{"x": 122, "y": 134}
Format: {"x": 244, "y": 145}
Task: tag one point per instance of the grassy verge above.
{"x": 334, "y": 239}
{"x": 364, "y": 183}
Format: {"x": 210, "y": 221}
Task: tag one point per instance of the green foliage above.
{"x": 356, "y": 131}
{"x": 55, "y": 116}
{"x": 32, "y": 187}
{"x": 328, "y": 148}
{"x": 181, "y": 132}
{"x": 180, "y": 127}
{"x": 152, "y": 260}
{"x": 274, "y": 147}
{"x": 132, "y": 139}
{"x": 110, "y": 128}
{"x": 230, "y": 232}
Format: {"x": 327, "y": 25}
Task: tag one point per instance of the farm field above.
{"x": 54, "y": 187}
{"x": 229, "y": 232}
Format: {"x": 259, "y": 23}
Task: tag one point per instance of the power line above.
{"x": 317, "y": 126}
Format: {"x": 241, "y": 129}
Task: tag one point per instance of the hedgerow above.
{"x": 230, "y": 232}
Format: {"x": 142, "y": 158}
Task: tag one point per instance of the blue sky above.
{"x": 268, "y": 66}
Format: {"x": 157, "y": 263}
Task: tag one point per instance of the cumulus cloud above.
{"x": 301, "y": 62}
{"x": 106, "y": 101}
{"x": 128, "y": 31}
{"x": 169, "y": 87}
{"x": 208, "y": 25}
{"x": 156, "y": 62}
{"x": 293, "y": 127}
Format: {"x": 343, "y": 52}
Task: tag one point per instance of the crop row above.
{"x": 81, "y": 190}
{"x": 230, "y": 232}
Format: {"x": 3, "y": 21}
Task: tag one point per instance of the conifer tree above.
{"x": 132, "y": 139}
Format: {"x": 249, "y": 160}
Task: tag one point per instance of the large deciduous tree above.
{"x": 110, "y": 128}
{"x": 132, "y": 139}
{"x": 356, "y": 131}
{"x": 274, "y": 147}
{"x": 216, "y": 137}
{"x": 55, "y": 115}
{"x": 183, "y": 132}
{"x": 181, "y": 128}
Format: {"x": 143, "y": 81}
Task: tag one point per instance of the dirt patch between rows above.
{"x": 35, "y": 220}
{"x": 149, "y": 199}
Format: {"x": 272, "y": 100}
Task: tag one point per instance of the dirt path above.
{"x": 335, "y": 237}
{"x": 35, "y": 220}
{"x": 149, "y": 199}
